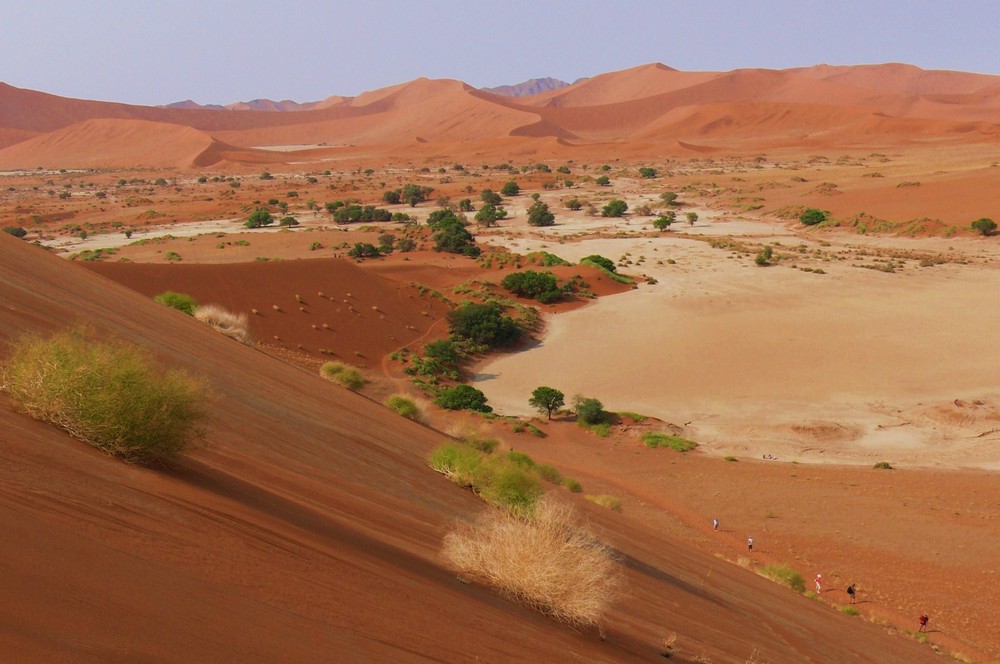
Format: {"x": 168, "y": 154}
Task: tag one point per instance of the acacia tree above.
{"x": 539, "y": 215}
{"x": 984, "y": 226}
{"x": 546, "y": 399}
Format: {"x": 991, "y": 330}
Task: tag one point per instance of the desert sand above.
{"x": 309, "y": 525}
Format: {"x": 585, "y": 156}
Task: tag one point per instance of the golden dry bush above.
{"x": 546, "y": 561}
{"x": 230, "y": 324}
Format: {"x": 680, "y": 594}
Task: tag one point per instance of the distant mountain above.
{"x": 187, "y": 104}
{"x": 527, "y": 88}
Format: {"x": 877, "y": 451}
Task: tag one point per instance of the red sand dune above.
{"x": 651, "y": 105}
{"x": 308, "y": 529}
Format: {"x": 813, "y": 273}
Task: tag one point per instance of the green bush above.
{"x": 647, "y": 172}
{"x": 510, "y": 189}
{"x": 786, "y": 575}
{"x": 108, "y": 394}
{"x": 403, "y": 406}
{"x": 573, "y": 485}
{"x": 259, "y": 217}
{"x": 338, "y": 372}
{"x": 611, "y": 502}
{"x": 616, "y": 207}
{"x": 499, "y": 480}
{"x": 652, "y": 439}
{"x": 179, "y": 301}
{"x": 463, "y": 397}
{"x": 589, "y": 410}
{"x": 539, "y": 215}
{"x": 16, "y": 231}
{"x": 984, "y": 226}
{"x": 603, "y": 262}
{"x": 813, "y": 216}
{"x": 529, "y": 283}
{"x": 484, "y": 323}
{"x": 883, "y": 465}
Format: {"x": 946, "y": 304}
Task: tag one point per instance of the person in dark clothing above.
{"x": 851, "y": 592}
{"x": 923, "y": 622}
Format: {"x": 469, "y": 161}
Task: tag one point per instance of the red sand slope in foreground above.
{"x": 308, "y": 530}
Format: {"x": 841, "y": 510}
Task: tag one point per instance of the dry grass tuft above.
{"x": 338, "y": 372}
{"x": 230, "y": 324}
{"x": 546, "y": 561}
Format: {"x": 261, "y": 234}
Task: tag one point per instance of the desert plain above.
{"x": 309, "y": 525}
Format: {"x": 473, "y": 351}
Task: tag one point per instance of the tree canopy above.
{"x": 539, "y": 215}
{"x": 486, "y": 324}
{"x": 546, "y": 400}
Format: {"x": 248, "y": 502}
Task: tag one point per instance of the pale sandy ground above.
{"x": 851, "y": 366}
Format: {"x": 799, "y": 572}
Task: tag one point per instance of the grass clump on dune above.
{"x": 500, "y": 480}
{"x": 545, "y": 561}
{"x": 785, "y": 575}
{"x": 231, "y": 324}
{"x": 611, "y": 502}
{"x": 338, "y": 372}
{"x": 404, "y": 406}
{"x": 178, "y": 301}
{"x": 652, "y": 439}
{"x": 108, "y": 394}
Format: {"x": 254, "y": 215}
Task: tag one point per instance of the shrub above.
{"x": 16, "y": 231}
{"x": 786, "y": 575}
{"x": 108, "y": 394}
{"x": 231, "y": 324}
{"x": 616, "y": 207}
{"x": 510, "y": 189}
{"x": 288, "y": 221}
{"x": 574, "y": 204}
{"x": 539, "y": 215}
{"x": 463, "y": 397}
{"x": 588, "y": 410}
{"x": 363, "y": 250}
{"x": 604, "y": 263}
{"x": 611, "y": 502}
{"x": 603, "y": 181}
{"x": 763, "y": 258}
{"x": 883, "y": 465}
{"x": 984, "y": 226}
{"x": 179, "y": 301}
{"x": 339, "y": 372}
{"x": 548, "y": 473}
{"x": 490, "y": 197}
{"x": 647, "y": 172}
{"x": 573, "y": 485}
{"x": 546, "y": 562}
{"x": 813, "y": 216}
{"x": 849, "y": 610}
{"x": 404, "y": 406}
{"x": 652, "y": 439}
{"x": 664, "y": 221}
{"x": 259, "y": 217}
{"x": 489, "y": 214}
{"x": 500, "y": 481}
{"x": 484, "y": 323}
{"x": 537, "y": 285}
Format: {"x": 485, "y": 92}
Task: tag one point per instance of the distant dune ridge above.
{"x": 647, "y": 108}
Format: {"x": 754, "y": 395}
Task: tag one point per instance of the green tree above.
{"x": 363, "y": 250}
{"x": 490, "y": 214}
{"x": 546, "y": 399}
{"x": 539, "y": 215}
{"x": 415, "y": 193}
{"x": 16, "y": 231}
{"x": 288, "y": 221}
{"x": 463, "y": 397}
{"x": 393, "y": 196}
{"x": 663, "y": 222}
{"x": 574, "y": 204}
{"x": 465, "y": 205}
{"x": 259, "y": 217}
{"x": 616, "y": 207}
{"x": 647, "y": 172}
{"x": 486, "y": 324}
{"x": 984, "y": 226}
{"x": 813, "y": 216}
{"x": 669, "y": 198}
{"x": 603, "y": 181}
{"x": 692, "y": 217}
{"x": 510, "y": 189}
{"x": 490, "y": 197}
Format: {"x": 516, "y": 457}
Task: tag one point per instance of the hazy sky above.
{"x": 221, "y": 51}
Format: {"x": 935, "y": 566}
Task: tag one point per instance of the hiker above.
{"x": 851, "y": 592}
{"x": 750, "y": 544}
{"x": 923, "y": 622}
{"x": 715, "y": 524}
{"x": 819, "y": 581}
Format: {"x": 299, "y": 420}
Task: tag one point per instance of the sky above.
{"x": 223, "y": 51}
